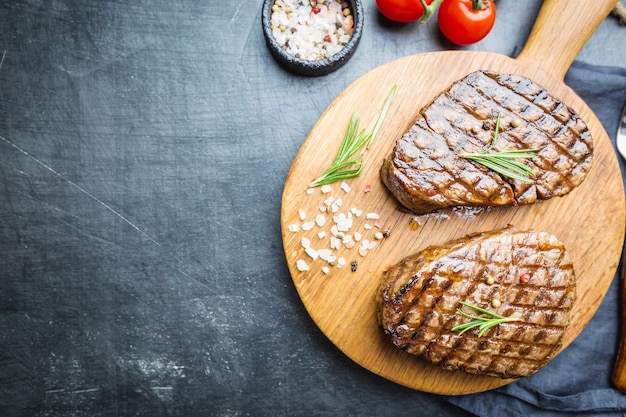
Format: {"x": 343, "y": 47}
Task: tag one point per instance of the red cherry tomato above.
{"x": 462, "y": 24}
{"x": 401, "y": 10}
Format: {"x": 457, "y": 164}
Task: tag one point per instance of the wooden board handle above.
{"x": 560, "y": 31}
{"x": 619, "y": 371}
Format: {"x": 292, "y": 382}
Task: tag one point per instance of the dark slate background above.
{"x": 143, "y": 150}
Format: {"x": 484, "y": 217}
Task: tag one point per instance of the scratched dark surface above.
{"x": 143, "y": 150}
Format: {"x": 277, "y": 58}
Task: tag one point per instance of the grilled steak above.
{"x": 426, "y": 171}
{"x": 529, "y": 274}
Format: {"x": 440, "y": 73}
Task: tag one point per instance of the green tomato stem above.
{"x": 478, "y": 5}
{"x": 429, "y": 10}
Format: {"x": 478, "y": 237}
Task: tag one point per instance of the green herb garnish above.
{"x": 483, "y": 323}
{"x": 348, "y": 164}
{"x": 504, "y": 162}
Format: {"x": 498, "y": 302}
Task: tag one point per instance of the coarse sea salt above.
{"x": 312, "y": 253}
{"x": 302, "y": 265}
{"x": 333, "y": 233}
{"x": 312, "y": 29}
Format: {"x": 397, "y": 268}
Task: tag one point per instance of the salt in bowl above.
{"x": 319, "y": 64}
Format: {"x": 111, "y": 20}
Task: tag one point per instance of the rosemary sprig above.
{"x": 483, "y": 323}
{"x": 348, "y": 164}
{"x": 504, "y": 162}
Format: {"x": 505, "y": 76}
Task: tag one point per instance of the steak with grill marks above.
{"x": 421, "y": 294}
{"x": 426, "y": 171}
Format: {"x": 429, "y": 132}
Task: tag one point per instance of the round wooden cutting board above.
{"x": 590, "y": 221}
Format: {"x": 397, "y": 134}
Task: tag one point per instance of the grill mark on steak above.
{"x": 420, "y": 295}
{"x": 557, "y": 121}
{"x": 426, "y": 171}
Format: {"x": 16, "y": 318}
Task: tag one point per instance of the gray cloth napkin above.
{"x": 578, "y": 380}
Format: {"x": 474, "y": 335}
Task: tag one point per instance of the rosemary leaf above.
{"x": 482, "y": 323}
{"x": 346, "y": 164}
{"x": 504, "y": 166}
{"x": 505, "y": 162}
{"x": 344, "y": 170}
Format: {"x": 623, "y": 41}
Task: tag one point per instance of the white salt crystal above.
{"x": 302, "y": 265}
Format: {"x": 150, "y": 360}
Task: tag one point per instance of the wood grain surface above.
{"x": 619, "y": 370}
{"x": 590, "y": 221}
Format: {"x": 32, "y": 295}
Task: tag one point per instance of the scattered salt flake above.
{"x": 302, "y": 265}
{"x": 312, "y": 253}
{"x": 325, "y": 254}
{"x": 343, "y": 223}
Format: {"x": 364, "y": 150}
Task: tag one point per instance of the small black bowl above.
{"x": 311, "y": 68}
